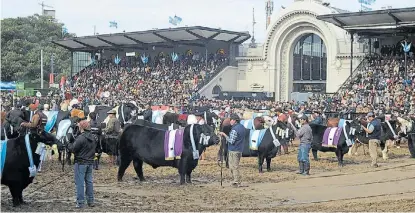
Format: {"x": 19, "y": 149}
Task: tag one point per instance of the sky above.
{"x": 80, "y": 16}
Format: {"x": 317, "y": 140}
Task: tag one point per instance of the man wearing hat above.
{"x": 317, "y": 118}
{"x": 235, "y": 147}
{"x": 305, "y": 134}
{"x": 373, "y": 132}
{"x": 84, "y": 152}
{"x": 112, "y": 130}
{"x": 199, "y": 118}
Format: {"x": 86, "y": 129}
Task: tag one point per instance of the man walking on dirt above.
{"x": 373, "y": 131}
{"x": 235, "y": 147}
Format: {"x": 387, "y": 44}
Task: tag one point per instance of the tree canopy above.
{"x": 22, "y": 39}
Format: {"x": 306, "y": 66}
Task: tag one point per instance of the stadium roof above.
{"x": 375, "y": 23}
{"x": 167, "y": 38}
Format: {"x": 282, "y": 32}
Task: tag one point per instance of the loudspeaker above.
{"x": 376, "y": 44}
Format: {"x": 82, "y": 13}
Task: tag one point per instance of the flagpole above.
{"x": 406, "y": 67}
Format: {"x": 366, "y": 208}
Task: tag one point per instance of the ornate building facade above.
{"x": 301, "y": 54}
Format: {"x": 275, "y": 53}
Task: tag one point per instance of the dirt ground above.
{"x": 355, "y": 187}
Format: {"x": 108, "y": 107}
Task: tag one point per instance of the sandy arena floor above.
{"x": 355, "y": 187}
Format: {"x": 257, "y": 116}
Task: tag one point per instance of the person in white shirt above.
{"x": 201, "y": 121}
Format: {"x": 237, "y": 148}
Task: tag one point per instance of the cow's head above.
{"x": 203, "y": 135}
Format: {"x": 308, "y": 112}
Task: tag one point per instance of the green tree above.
{"x": 22, "y": 39}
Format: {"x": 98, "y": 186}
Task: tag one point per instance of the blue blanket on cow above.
{"x": 52, "y": 116}
{"x": 248, "y": 124}
{"x": 3, "y": 151}
{"x": 255, "y": 138}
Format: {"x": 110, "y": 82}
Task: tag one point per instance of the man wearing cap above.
{"x": 148, "y": 113}
{"x": 84, "y": 151}
{"x": 305, "y": 134}
{"x": 199, "y": 118}
{"x": 112, "y": 131}
{"x": 235, "y": 147}
{"x": 373, "y": 132}
{"x": 317, "y": 118}
{"x": 16, "y": 116}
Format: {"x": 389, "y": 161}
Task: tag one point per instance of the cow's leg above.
{"x": 16, "y": 192}
{"x": 68, "y": 158}
{"x": 125, "y": 162}
{"x": 314, "y": 151}
{"x": 138, "y": 167}
{"x": 182, "y": 171}
{"x": 268, "y": 164}
{"x": 59, "y": 155}
{"x": 188, "y": 177}
{"x": 411, "y": 145}
{"x": 339, "y": 155}
{"x": 384, "y": 149}
{"x": 260, "y": 162}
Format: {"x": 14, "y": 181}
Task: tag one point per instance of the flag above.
{"x": 175, "y": 20}
{"x": 64, "y": 30}
{"x": 364, "y": 8}
{"x": 406, "y": 46}
{"x": 117, "y": 60}
{"x": 144, "y": 59}
{"x": 114, "y": 24}
{"x": 367, "y": 2}
{"x": 174, "y": 57}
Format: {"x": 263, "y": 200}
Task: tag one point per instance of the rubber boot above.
{"x": 306, "y": 168}
{"x": 301, "y": 166}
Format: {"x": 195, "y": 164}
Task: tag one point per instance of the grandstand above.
{"x": 384, "y": 80}
{"x": 166, "y": 66}
{"x": 197, "y": 38}
{"x": 386, "y": 27}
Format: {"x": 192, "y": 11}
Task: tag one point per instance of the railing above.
{"x": 346, "y": 84}
{"x": 209, "y": 76}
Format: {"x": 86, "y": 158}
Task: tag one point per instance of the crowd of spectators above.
{"x": 380, "y": 85}
{"x": 159, "y": 81}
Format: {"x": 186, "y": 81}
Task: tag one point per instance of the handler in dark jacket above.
{"x": 84, "y": 151}
{"x": 235, "y": 147}
{"x": 148, "y": 113}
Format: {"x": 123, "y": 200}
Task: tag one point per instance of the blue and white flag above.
{"x": 364, "y": 8}
{"x": 64, "y": 30}
{"x": 406, "y": 46}
{"x": 367, "y": 2}
{"x": 144, "y": 59}
{"x": 174, "y": 57}
{"x": 175, "y": 20}
{"x": 114, "y": 24}
{"x": 117, "y": 60}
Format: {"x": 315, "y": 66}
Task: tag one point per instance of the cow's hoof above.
{"x": 182, "y": 183}
{"x": 316, "y": 159}
{"x": 188, "y": 181}
{"x": 268, "y": 170}
{"x": 119, "y": 179}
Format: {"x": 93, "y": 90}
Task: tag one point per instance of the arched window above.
{"x": 216, "y": 90}
{"x": 310, "y": 63}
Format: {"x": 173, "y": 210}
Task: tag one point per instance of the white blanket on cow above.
{"x": 63, "y": 128}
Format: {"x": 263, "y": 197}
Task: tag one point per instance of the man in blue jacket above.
{"x": 235, "y": 147}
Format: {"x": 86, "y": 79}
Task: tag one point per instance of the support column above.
{"x": 351, "y": 53}
{"x": 370, "y": 46}
{"x": 72, "y": 64}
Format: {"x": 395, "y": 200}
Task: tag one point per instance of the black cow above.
{"x": 140, "y": 143}
{"x": 170, "y": 118}
{"x": 387, "y": 132}
{"x": 16, "y": 173}
{"x": 411, "y": 138}
{"x": 342, "y": 147}
{"x": 266, "y": 150}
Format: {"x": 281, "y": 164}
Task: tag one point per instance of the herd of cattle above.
{"x": 151, "y": 142}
